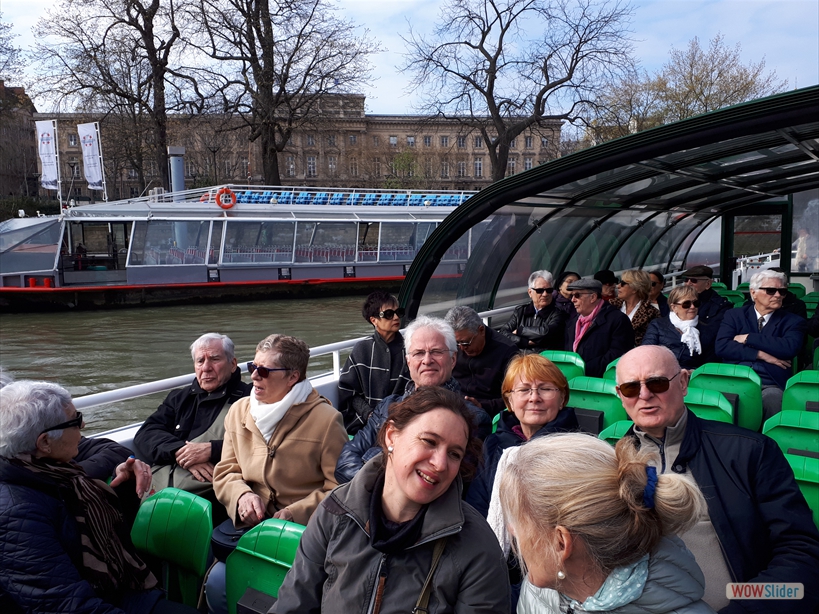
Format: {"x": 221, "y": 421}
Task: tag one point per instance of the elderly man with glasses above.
{"x": 764, "y": 336}
{"x": 537, "y": 325}
{"x": 375, "y": 368}
{"x": 758, "y": 527}
{"x": 431, "y": 352}
{"x": 482, "y": 358}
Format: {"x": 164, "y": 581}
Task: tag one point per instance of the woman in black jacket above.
{"x": 678, "y": 331}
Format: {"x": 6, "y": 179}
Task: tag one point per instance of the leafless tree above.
{"x": 11, "y": 57}
{"x": 500, "y": 67}
{"x": 282, "y": 65}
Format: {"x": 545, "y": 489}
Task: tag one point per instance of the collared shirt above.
{"x": 767, "y": 317}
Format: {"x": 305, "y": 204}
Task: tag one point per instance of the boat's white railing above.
{"x": 141, "y": 390}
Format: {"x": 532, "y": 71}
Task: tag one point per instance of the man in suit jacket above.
{"x": 764, "y": 337}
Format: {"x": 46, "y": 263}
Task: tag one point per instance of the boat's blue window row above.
{"x": 345, "y": 198}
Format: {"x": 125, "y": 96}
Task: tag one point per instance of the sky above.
{"x": 783, "y": 32}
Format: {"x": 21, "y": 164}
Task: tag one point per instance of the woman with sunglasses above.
{"x": 679, "y": 331}
{"x": 65, "y": 544}
{"x": 632, "y": 299}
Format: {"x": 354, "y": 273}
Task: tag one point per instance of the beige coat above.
{"x": 293, "y": 470}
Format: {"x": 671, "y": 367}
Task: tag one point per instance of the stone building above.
{"x": 18, "y": 146}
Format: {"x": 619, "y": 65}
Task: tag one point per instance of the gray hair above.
{"x": 27, "y": 408}
{"x": 208, "y": 338}
{"x": 5, "y": 378}
{"x": 293, "y": 353}
{"x": 544, "y": 275}
{"x": 437, "y": 324}
{"x": 759, "y": 278}
{"x": 463, "y": 318}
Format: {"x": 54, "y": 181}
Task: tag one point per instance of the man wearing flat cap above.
{"x": 712, "y": 305}
{"x": 598, "y": 331}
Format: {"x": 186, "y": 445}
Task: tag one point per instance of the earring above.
{"x": 561, "y": 575}
{"x": 390, "y": 449}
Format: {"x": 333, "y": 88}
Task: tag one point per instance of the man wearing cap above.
{"x": 609, "y": 281}
{"x": 539, "y": 324}
{"x": 712, "y": 305}
{"x": 598, "y": 331}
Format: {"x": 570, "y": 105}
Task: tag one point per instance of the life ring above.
{"x": 205, "y": 197}
{"x": 228, "y": 201}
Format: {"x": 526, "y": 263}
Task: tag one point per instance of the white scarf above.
{"x": 268, "y": 415}
{"x": 495, "y": 515}
{"x": 690, "y": 333}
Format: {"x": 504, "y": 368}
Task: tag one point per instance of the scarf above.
{"x": 583, "y": 323}
{"x": 268, "y": 415}
{"x": 623, "y": 585}
{"x": 108, "y": 564}
{"x": 495, "y": 515}
{"x": 690, "y": 332}
{"x": 387, "y": 536}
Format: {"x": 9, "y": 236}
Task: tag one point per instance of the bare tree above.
{"x": 282, "y": 65}
{"x": 116, "y": 56}
{"x": 500, "y": 67}
{"x": 11, "y": 57}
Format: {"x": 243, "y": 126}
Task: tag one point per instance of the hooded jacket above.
{"x": 337, "y": 570}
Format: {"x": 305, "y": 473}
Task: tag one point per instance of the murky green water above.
{"x": 90, "y": 352}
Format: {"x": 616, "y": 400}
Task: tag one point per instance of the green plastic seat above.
{"x": 737, "y": 298}
{"x": 175, "y": 526}
{"x": 616, "y": 431}
{"x": 495, "y": 422}
{"x": 801, "y": 388}
{"x": 718, "y": 285}
{"x": 262, "y": 558}
{"x": 736, "y": 379}
{"x": 611, "y": 370}
{"x": 597, "y": 394}
{"x": 794, "y": 430}
{"x": 806, "y": 472}
{"x": 569, "y": 363}
{"x": 745, "y": 288}
{"x": 797, "y": 289}
{"x": 709, "y": 405}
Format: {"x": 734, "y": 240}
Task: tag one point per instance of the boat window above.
{"x": 29, "y": 246}
{"x": 326, "y": 241}
{"x": 247, "y": 242}
{"x": 368, "y": 233}
{"x": 662, "y": 254}
{"x": 805, "y": 252}
{"x": 215, "y": 242}
{"x": 600, "y": 246}
{"x": 161, "y": 242}
{"x": 401, "y": 241}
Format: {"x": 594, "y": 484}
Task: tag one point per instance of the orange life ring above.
{"x": 227, "y": 202}
{"x": 205, "y": 197}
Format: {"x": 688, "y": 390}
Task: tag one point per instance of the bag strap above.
{"x": 423, "y": 599}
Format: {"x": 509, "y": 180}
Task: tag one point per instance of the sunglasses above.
{"x": 622, "y": 283}
{"x": 694, "y": 280}
{"x": 263, "y": 371}
{"x": 466, "y": 344}
{"x": 772, "y": 291}
{"x": 389, "y": 314}
{"x": 654, "y": 384}
{"x": 540, "y": 291}
{"x": 579, "y": 295}
{"x": 687, "y": 304}
{"x": 75, "y": 421}
{"x": 654, "y": 284}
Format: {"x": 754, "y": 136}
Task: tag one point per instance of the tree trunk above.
{"x": 270, "y": 156}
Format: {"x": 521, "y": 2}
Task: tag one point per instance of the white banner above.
{"x": 91, "y": 155}
{"x": 47, "y": 142}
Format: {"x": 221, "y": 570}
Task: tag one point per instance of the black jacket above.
{"x": 609, "y": 336}
{"x": 481, "y": 376}
{"x": 765, "y": 528}
{"x": 713, "y": 308}
{"x": 99, "y": 456}
{"x": 662, "y": 332}
{"x": 545, "y": 327}
{"x": 185, "y": 414}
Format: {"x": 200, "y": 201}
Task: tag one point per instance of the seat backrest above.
{"x": 737, "y": 298}
{"x": 597, "y": 394}
{"x": 614, "y": 432}
{"x": 385, "y": 199}
{"x": 806, "y": 472}
{"x": 797, "y": 289}
{"x": 709, "y": 405}
{"x": 369, "y": 199}
{"x": 495, "y": 422}
{"x": 303, "y": 198}
{"x": 718, "y": 285}
{"x": 570, "y": 363}
{"x": 175, "y": 526}
{"x": 794, "y": 429}
{"x": 801, "y": 388}
{"x": 736, "y": 379}
{"x": 353, "y": 199}
{"x": 262, "y": 558}
{"x": 611, "y": 370}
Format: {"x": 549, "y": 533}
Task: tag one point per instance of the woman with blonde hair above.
{"x": 594, "y": 527}
{"x": 680, "y": 331}
{"x": 632, "y": 299}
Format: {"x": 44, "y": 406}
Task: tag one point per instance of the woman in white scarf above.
{"x": 679, "y": 331}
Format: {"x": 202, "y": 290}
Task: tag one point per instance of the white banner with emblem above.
{"x": 47, "y": 144}
{"x": 91, "y": 155}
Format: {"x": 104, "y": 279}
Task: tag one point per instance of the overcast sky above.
{"x": 783, "y": 32}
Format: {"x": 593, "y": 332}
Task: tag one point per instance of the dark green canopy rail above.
{"x": 638, "y": 201}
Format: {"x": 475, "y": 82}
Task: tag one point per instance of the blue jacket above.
{"x": 765, "y": 528}
{"x": 782, "y": 337}
{"x": 609, "y": 336}
{"x": 480, "y": 492}
{"x": 662, "y": 332}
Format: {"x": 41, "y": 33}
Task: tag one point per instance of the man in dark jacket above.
{"x": 759, "y": 527}
{"x": 537, "y": 325}
{"x": 185, "y": 434}
{"x": 431, "y": 355}
{"x": 712, "y": 305}
{"x": 598, "y": 332}
{"x": 376, "y": 366}
{"x": 482, "y": 358}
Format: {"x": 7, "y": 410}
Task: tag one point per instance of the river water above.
{"x": 90, "y": 352}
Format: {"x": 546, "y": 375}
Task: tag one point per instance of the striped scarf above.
{"x": 108, "y": 564}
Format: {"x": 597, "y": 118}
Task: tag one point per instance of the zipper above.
{"x": 378, "y": 593}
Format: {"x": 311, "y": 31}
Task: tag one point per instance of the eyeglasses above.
{"x": 263, "y": 371}
{"x": 772, "y": 291}
{"x": 542, "y": 391}
{"x": 687, "y": 304}
{"x": 435, "y": 354}
{"x": 540, "y": 291}
{"x": 622, "y": 283}
{"x": 695, "y": 280}
{"x": 577, "y": 295}
{"x": 389, "y": 314}
{"x": 654, "y": 384}
{"x": 75, "y": 421}
{"x": 466, "y": 344}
